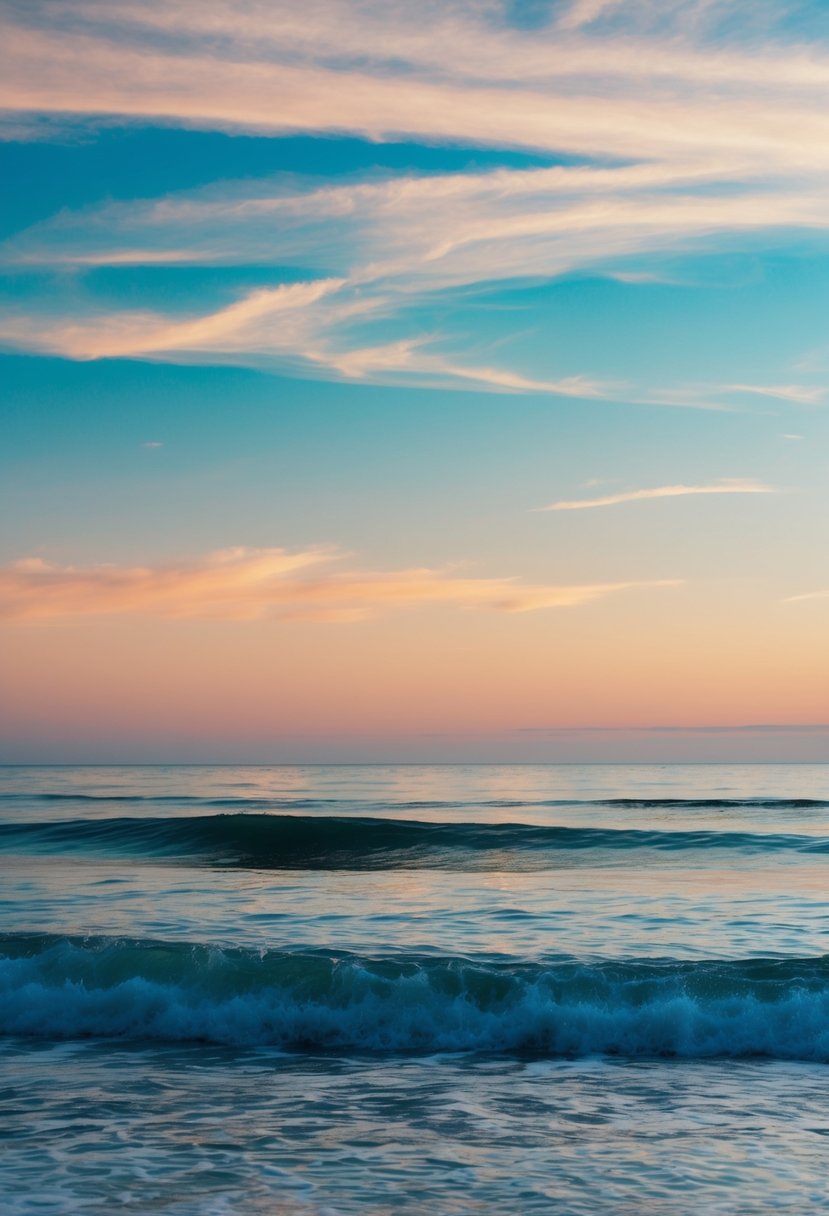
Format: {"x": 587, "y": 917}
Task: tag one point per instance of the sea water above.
{"x": 380, "y": 989}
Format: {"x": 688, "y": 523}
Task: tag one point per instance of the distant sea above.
{"x": 458, "y": 989}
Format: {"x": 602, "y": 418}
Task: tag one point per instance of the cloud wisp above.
{"x": 730, "y": 486}
{"x": 807, "y": 595}
{"x": 748, "y": 728}
{"x": 800, "y": 394}
{"x": 254, "y": 584}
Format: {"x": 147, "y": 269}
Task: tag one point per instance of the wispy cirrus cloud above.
{"x": 585, "y": 12}
{"x": 413, "y": 234}
{"x": 285, "y": 326}
{"x": 252, "y": 584}
{"x": 732, "y": 486}
{"x": 266, "y": 318}
{"x": 800, "y": 394}
{"x": 409, "y": 357}
{"x": 747, "y": 728}
{"x": 268, "y": 65}
{"x": 694, "y": 136}
{"x": 385, "y": 249}
{"x": 807, "y": 595}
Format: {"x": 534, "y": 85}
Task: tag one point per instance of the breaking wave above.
{"x": 72, "y": 987}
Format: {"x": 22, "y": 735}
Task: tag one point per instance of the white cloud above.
{"x": 800, "y": 394}
{"x": 584, "y": 12}
{"x": 260, "y": 319}
{"x": 808, "y": 595}
{"x": 733, "y": 486}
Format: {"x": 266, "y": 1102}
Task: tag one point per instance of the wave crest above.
{"x": 352, "y": 843}
{"x": 314, "y": 1000}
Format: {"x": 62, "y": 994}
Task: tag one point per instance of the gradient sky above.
{"x": 443, "y": 381}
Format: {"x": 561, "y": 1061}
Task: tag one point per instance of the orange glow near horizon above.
{"x": 261, "y": 688}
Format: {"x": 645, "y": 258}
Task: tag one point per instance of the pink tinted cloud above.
{"x": 253, "y": 584}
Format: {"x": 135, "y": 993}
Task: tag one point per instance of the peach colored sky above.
{"x": 445, "y": 382}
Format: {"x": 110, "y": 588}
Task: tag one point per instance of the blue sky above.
{"x": 351, "y": 280}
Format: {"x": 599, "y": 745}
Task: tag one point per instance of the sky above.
{"x": 390, "y": 382}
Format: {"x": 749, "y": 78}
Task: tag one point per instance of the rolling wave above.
{"x": 70, "y": 987}
{"x": 335, "y": 843}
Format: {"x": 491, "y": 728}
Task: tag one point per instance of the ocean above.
{"x": 321, "y": 990}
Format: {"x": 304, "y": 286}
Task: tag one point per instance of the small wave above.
{"x": 68, "y": 987}
{"x": 269, "y": 802}
{"x": 342, "y": 842}
{"x": 763, "y": 804}
{"x": 173, "y": 799}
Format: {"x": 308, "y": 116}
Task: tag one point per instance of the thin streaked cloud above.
{"x": 807, "y": 595}
{"x": 800, "y": 394}
{"x": 585, "y": 12}
{"x": 252, "y": 584}
{"x": 131, "y": 334}
{"x": 760, "y": 728}
{"x": 732, "y": 486}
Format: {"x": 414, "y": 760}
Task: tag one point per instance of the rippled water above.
{"x": 370, "y": 989}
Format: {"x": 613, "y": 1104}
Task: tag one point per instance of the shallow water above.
{"x": 378, "y": 988}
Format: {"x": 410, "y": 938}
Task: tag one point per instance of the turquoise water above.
{"x": 372, "y": 989}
